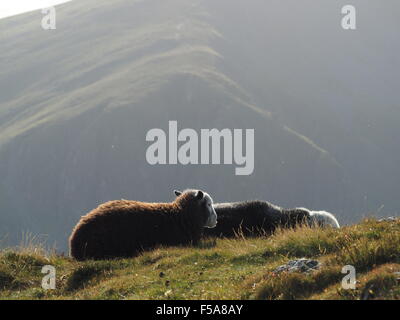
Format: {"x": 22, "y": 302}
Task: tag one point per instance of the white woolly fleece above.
{"x": 324, "y": 218}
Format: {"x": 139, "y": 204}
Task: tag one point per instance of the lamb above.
{"x": 124, "y": 228}
{"x": 255, "y": 218}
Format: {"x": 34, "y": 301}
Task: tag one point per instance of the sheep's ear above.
{"x": 199, "y": 195}
{"x": 177, "y": 193}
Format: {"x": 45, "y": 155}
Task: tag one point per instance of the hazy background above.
{"x": 76, "y": 104}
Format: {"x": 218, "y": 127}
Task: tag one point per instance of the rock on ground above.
{"x": 300, "y": 265}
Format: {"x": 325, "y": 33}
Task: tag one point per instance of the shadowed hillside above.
{"x": 76, "y": 104}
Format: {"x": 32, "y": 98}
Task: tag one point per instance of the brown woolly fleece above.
{"x": 124, "y": 228}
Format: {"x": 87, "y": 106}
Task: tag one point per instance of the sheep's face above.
{"x": 205, "y": 205}
{"x": 208, "y": 203}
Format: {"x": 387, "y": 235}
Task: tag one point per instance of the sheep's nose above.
{"x": 212, "y": 221}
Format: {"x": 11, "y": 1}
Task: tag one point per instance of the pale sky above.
{"x": 13, "y": 7}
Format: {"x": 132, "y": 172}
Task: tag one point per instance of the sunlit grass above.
{"x": 240, "y": 268}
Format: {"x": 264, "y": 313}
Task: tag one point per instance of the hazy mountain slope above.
{"x": 338, "y": 88}
{"x": 76, "y": 104}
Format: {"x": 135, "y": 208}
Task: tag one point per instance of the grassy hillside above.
{"x": 222, "y": 269}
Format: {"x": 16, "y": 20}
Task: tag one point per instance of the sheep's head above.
{"x": 202, "y": 203}
{"x": 323, "y": 219}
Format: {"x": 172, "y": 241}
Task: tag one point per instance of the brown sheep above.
{"x": 124, "y": 228}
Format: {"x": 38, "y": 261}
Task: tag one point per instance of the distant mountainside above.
{"x": 76, "y": 104}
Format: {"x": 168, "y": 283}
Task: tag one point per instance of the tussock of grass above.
{"x": 308, "y": 242}
{"x": 379, "y": 283}
{"x": 239, "y": 268}
{"x": 6, "y": 280}
{"x": 15, "y": 260}
{"x": 16, "y": 269}
{"x": 379, "y": 286}
{"x": 289, "y": 286}
{"x": 366, "y": 253}
{"x": 85, "y": 273}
